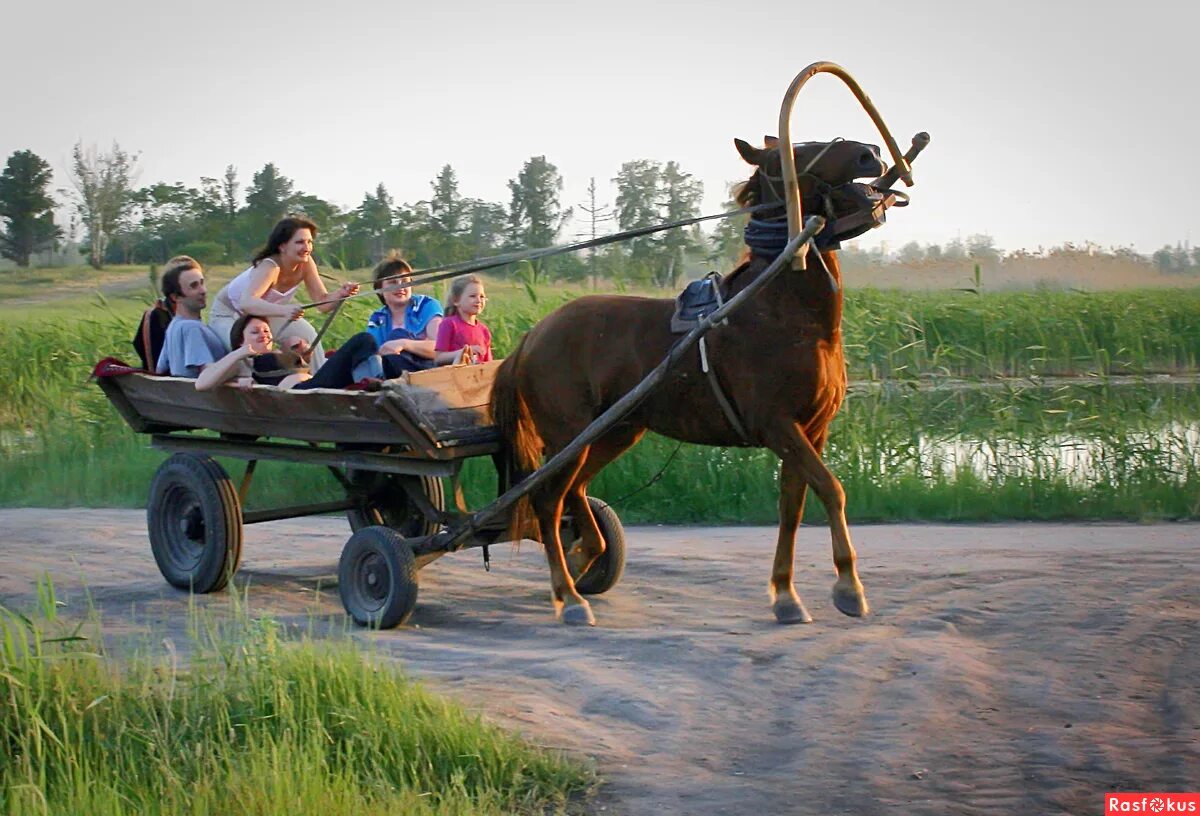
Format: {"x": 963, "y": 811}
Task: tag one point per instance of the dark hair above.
{"x": 282, "y": 233}
{"x": 239, "y": 328}
{"x": 457, "y": 287}
{"x": 170, "y": 279}
{"x": 393, "y": 266}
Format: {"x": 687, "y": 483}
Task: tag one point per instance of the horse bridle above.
{"x": 873, "y": 201}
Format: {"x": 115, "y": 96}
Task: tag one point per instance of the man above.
{"x": 189, "y": 344}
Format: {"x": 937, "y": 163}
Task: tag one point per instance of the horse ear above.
{"x": 770, "y": 142}
{"x": 749, "y": 152}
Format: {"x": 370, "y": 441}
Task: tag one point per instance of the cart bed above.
{"x": 432, "y": 412}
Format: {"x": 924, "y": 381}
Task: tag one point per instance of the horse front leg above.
{"x": 797, "y": 453}
{"x": 785, "y": 602}
{"x": 569, "y": 605}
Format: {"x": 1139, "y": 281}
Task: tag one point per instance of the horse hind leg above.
{"x": 798, "y": 454}
{"x": 590, "y": 545}
{"x": 785, "y": 602}
{"x": 569, "y": 605}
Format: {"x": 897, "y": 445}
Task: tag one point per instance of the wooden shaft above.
{"x": 791, "y": 184}
{"x": 454, "y": 539}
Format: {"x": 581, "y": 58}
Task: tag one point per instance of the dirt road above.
{"x": 1016, "y": 668}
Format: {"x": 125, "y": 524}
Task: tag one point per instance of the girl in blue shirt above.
{"x": 406, "y": 327}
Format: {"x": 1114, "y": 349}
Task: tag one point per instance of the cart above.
{"x": 393, "y": 451}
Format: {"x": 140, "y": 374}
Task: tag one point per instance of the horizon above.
{"x": 343, "y": 103}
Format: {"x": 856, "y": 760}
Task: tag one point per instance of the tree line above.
{"x": 224, "y": 220}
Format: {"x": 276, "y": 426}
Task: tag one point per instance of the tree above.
{"x": 681, "y": 196}
{"x": 535, "y": 215}
{"x": 485, "y": 227}
{"x": 370, "y": 225}
{"x": 165, "y": 216}
{"x": 910, "y": 253}
{"x": 597, "y": 215}
{"x": 104, "y": 184}
{"x": 982, "y": 247}
{"x": 727, "y": 240}
{"x": 447, "y": 209}
{"x": 270, "y": 196}
{"x": 26, "y": 207}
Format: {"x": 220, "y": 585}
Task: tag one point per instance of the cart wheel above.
{"x": 608, "y": 568}
{"x": 387, "y": 503}
{"x": 377, "y": 578}
{"x": 195, "y": 523}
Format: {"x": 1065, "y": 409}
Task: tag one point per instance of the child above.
{"x": 462, "y": 334}
{"x": 406, "y": 327}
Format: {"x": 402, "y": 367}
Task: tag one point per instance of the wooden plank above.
{"x": 449, "y": 399}
{"x": 418, "y": 419}
{"x": 362, "y": 460}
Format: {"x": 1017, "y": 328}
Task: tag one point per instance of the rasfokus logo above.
{"x": 1151, "y": 803}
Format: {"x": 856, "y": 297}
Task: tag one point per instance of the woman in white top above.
{"x": 268, "y": 287}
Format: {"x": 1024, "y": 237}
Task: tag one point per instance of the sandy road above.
{"x": 1016, "y": 668}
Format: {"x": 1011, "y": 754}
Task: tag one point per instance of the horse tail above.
{"x": 522, "y": 446}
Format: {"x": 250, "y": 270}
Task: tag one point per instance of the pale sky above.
{"x": 1051, "y": 122}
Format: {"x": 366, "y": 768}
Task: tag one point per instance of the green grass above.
{"x": 61, "y": 443}
{"x": 250, "y": 723}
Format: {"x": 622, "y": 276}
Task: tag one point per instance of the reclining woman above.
{"x": 268, "y": 287}
{"x": 406, "y": 328}
{"x": 255, "y": 360}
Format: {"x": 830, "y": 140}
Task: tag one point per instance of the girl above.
{"x": 462, "y": 335}
{"x": 406, "y": 327}
{"x": 254, "y": 360}
{"x": 268, "y": 287}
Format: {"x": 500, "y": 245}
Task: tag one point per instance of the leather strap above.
{"x": 726, "y": 407}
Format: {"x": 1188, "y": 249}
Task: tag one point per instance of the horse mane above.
{"x": 745, "y": 194}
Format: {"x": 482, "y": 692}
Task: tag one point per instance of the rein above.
{"x": 433, "y": 274}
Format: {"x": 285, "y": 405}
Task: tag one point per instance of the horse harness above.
{"x": 699, "y": 299}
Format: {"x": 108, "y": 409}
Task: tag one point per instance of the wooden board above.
{"x": 391, "y": 417}
{"x": 449, "y": 399}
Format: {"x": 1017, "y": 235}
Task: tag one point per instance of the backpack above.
{"x": 148, "y": 341}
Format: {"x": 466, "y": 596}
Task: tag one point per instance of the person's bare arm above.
{"x": 424, "y": 347}
{"x": 317, "y": 291}
{"x": 263, "y": 277}
{"x": 222, "y": 370}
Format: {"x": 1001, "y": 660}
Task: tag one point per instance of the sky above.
{"x": 1050, "y": 122}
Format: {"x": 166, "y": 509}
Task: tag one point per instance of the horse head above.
{"x": 819, "y": 167}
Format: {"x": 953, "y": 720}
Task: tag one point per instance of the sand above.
{"x": 1010, "y": 668}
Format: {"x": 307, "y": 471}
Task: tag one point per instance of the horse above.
{"x": 778, "y": 359}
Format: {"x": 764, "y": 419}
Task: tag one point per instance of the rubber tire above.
{"x": 377, "y": 578}
{"x": 194, "y": 520}
{"x": 389, "y": 505}
{"x": 607, "y": 570}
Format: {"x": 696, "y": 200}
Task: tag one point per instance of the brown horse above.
{"x": 778, "y": 360}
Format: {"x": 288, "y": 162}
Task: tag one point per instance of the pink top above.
{"x": 454, "y": 333}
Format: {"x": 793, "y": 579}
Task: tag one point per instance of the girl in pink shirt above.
{"x": 462, "y": 335}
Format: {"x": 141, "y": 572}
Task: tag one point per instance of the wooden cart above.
{"x": 393, "y": 451}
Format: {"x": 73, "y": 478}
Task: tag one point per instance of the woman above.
{"x": 255, "y": 360}
{"x": 268, "y": 287}
{"x": 406, "y": 327}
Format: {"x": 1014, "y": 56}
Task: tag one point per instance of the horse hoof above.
{"x": 578, "y": 615}
{"x": 850, "y": 599}
{"x": 791, "y": 611}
